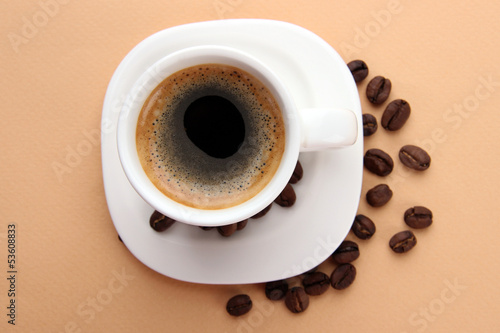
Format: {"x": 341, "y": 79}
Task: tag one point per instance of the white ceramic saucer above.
{"x": 285, "y": 242}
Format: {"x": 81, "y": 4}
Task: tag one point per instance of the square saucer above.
{"x": 285, "y": 242}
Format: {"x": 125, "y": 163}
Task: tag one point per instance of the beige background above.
{"x": 441, "y": 56}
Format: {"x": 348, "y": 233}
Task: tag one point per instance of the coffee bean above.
{"x": 343, "y": 276}
{"x": 160, "y": 222}
{"x": 262, "y": 212}
{"x": 227, "y": 230}
{"x": 414, "y": 157}
{"x": 359, "y": 70}
{"x": 379, "y": 195}
{"x": 239, "y": 305}
{"x": 276, "y": 290}
{"x": 241, "y": 225}
{"x": 316, "y": 283}
{"x": 287, "y": 197}
{"x": 348, "y": 251}
{"x": 378, "y": 162}
{"x": 369, "y": 124}
{"x": 296, "y": 300}
{"x": 298, "y": 172}
{"x": 207, "y": 228}
{"x": 363, "y": 227}
{"x": 403, "y": 241}
{"x": 418, "y": 217}
{"x": 378, "y": 90}
{"x": 395, "y": 115}
{"x": 120, "y": 239}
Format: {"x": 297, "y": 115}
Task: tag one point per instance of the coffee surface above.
{"x": 224, "y": 150}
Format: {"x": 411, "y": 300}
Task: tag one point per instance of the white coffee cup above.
{"x": 305, "y": 130}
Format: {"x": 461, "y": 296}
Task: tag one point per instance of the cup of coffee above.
{"x": 209, "y": 135}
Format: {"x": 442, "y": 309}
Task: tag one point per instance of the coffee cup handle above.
{"x": 325, "y": 128}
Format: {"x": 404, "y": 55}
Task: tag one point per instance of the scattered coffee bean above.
{"x": 395, "y": 115}
{"x": 378, "y": 89}
{"x": 276, "y": 290}
{"x": 379, "y": 195}
{"x": 287, "y": 197}
{"x": 239, "y": 305}
{"x": 403, "y": 241}
{"x": 378, "y": 162}
{"x": 298, "y": 172}
{"x": 343, "y": 276}
{"x": 160, "y": 222}
{"x": 207, "y": 228}
{"x": 316, "y": 283}
{"x": 262, "y": 212}
{"x": 418, "y": 217}
{"x": 369, "y": 124}
{"x": 359, "y": 70}
{"x": 296, "y": 300}
{"x": 363, "y": 227}
{"x": 414, "y": 157}
{"x": 120, "y": 239}
{"x": 241, "y": 225}
{"x": 348, "y": 251}
{"x": 227, "y": 230}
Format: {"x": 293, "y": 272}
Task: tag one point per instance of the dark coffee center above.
{"x": 215, "y": 126}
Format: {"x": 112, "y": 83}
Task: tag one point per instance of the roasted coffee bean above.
{"x": 379, "y": 195}
{"x": 287, "y": 197}
{"x": 343, "y": 276}
{"x": 378, "y": 162}
{"x": 316, "y": 283}
{"x": 418, "y": 217}
{"x": 378, "y": 89}
{"x": 207, "y": 228}
{"x": 120, "y": 239}
{"x": 369, "y": 124}
{"x": 395, "y": 115}
{"x": 297, "y": 174}
{"x": 363, "y": 227}
{"x": 227, "y": 230}
{"x": 359, "y": 70}
{"x": 296, "y": 300}
{"x": 160, "y": 222}
{"x": 276, "y": 290}
{"x": 414, "y": 157}
{"x": 262, "y": 212}
{"x": 403, "y": 241}
{"x": 348, "y": 251}
{"x": 239, "y": 305}
{"x": 241, "y": 225}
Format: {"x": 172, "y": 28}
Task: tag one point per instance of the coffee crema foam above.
{"x": 185, "y": 173}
